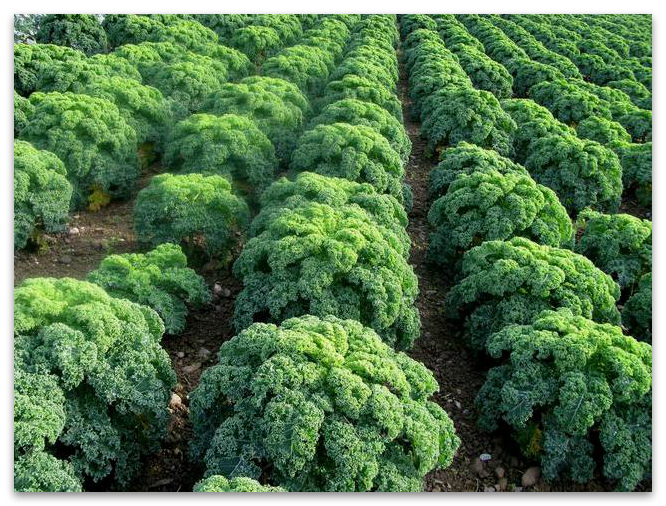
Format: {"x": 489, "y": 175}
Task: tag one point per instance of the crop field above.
{"x": 344, "y": 253}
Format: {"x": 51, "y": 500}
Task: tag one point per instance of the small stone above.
{"x": 74, "y": 231}
{"x": 180, "y": 354}
{"x": 458, "y": 405}
{"x": 489, "y": 489}
{"x": 518, "y": 489}
{"x": 485, "y": 457}
{"x": 531, "y": 476}
{"x": 65, "y": 259}
{"x": 226, "y": 293}
{"x": 499, "y": 472}
{"x": 502, "y": 484}
{"x": 188, "y": 369}
{"x": 218, "y": 308}
{"x": 204, "y": 353}
{"x": 217, "y": 289}
{"x": 175, "y": 401}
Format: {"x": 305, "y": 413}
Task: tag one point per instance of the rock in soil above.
{"x": 531, "y": 476}
{"x": 175, "y": 401}
{"x": 188, "y": 369}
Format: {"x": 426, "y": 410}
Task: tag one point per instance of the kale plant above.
{"x": 78, "y": 31}
{"x": 230, "y": 145}
{"x": 322, "y": 405}
{"x": 489, "y": 205}
{"x": 637, "y": 311}
{"x": 159, "y": 279}
{"x": 92, "y": 139}
{"x": 320, "y": 260}
{"x": 573, "y": 391}
{"x": 507, "y": 282}
{"x": 583, "y": 173}
{"x": 619, "y": 244}
{"x": 93, "y": 384}
{"x": 198, "y": 212}
{"x": 353, "y": 152}
{"x": 41, "y": 192}
{"x": 357, "y": 112}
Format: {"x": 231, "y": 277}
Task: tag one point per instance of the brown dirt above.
{"x": 100, "y": 234}
{"x": 170, "y": 470}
